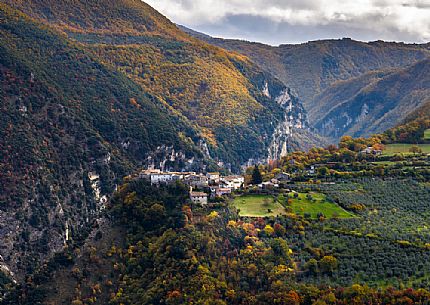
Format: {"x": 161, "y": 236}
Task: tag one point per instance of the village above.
{"x": 213, "y": 183}
{"x": 208, "y": 186}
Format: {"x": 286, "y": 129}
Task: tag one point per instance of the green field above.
{"x": 427, "y": 134}
{"x": 253, "y": 206}
{"x": 318, "y": 204}
{"x": 392, "y": 149}
{"x": 259, "y": 205}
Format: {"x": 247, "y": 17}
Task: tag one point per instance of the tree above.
{"x": 328, "y": 264}
{"x": 415, "y": 149}
{"x": 323, "y": 171}
{"x": 311, "y": 266}
{"x": 256, "y": 176}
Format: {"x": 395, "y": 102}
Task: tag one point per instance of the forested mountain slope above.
{"x": 93, "y": 90}
{"x": 328, "y": 75}
{"x": 374, "y": 102}
{"x": 158, "y": 250}
{"x": 413, "y": 128}
{"x": 311, "y": 67}
{"x": 70, "y": 129}
{"x": 221, "y": 93}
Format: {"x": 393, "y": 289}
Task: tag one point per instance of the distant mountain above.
{"x": 309, "y": 68}
{"x": 374, "y": 102}
{"x": 332, "y": 76}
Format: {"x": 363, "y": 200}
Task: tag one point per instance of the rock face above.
{"x": 294, "y": 118}
{"x": 293, "y": 132}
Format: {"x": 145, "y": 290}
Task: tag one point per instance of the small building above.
{"x": 196, "y": 180}
{"x": 213, "y": 177}
{"x": 218, "y": 191}
{"x": 371, "y": 151}
{"x": 268, "y": 185}
{"x": 146, "y": 174}
{"x": 157, "y": 177}
{"x": 283, "y": 177}
{"x": 164, "y": 178}
{"x": 199, "y": 198}
{"x": 232, "y": 182}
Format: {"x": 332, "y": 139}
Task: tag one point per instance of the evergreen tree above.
{"x": 256, "y": 176}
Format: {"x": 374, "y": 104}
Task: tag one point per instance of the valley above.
{"x": 348, "y": 87}
{"x": 142, "y": 162}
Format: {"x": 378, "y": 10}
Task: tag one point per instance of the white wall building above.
{"x": 213, "y": 177}
{"x": 164, "y": 178}
{"x": 233, "y": 182}
{"x": 199, "y": 198}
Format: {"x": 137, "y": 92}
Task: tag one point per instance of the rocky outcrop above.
{"x": 293, "y": 132}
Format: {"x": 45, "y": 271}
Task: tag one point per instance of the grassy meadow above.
{"x": 258, "y": 206}
{"x": 265, "y": 205}
{"x": 316, "y": 203}
{"x": 427, "y": 134}
{"x": 392, "y": 149}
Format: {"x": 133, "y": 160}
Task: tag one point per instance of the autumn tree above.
{"x": 328, "y": 264}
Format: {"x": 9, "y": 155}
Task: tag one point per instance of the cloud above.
{"x": 293, "y": 21}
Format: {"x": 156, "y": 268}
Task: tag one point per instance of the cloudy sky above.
{"x": 293, "y": 21}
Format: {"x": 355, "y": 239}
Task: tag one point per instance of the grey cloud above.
{"x": 293, "y": 21}
{"x": 418, "y": 4}
{"x": 255, "y": 28}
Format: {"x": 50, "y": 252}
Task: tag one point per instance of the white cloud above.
{"x": 374, "y": 19}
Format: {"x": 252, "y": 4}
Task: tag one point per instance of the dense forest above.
{"x": 174, "y": 253}
{"x": 65, "y": 115}
{"x": 219, "y": 93}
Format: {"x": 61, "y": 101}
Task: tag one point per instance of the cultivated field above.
{"x": 392, "y": 149}
{"x": 427, "y": 134}
{"x": 258, "y": 206}
{"x": 265, "y": 205}
{"x": 316, "y": 203}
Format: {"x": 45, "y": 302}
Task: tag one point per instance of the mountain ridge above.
{"x": 326, "y": 74}
{"x": 381, "y": 104}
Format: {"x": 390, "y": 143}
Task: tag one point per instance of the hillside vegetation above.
{"x": 93, "y": 90}
{"x": 162, "y": 251}
{"x": 66, "y": 115}
{"x": 219, "y": 93}
{"x": 384, "y": 101}
{"x": 347, "y": 87}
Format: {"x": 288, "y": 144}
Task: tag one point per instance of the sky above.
{"x": 295, "y": 21}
